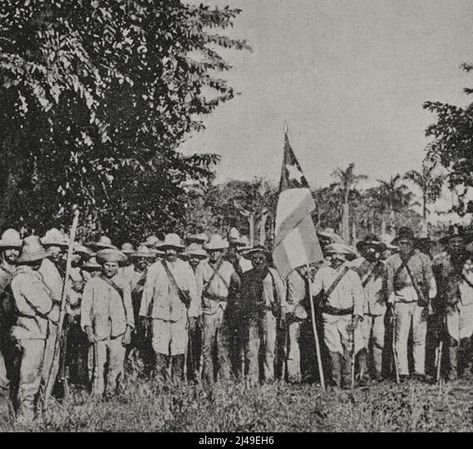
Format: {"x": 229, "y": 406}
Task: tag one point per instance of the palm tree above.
{"x": 393, "y": 196}
{"x": 346, "y": 181}
{"x": 429, "y": 183}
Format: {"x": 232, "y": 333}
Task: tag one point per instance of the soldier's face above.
{"x": 55, "y": 253}
{"x": 259, "y": 261}
{"x": 171, "y": 255}
{"x": 455, "y": 244}
{"x": 335, "y": 260}
{"x": 405, "y": 246}
{"x": 110, "y": 269}
{"x": 141, "y": 264}
{"x": 10, "y": 255}
{"x": 194, "y": 261}
{"x": 215, "y": 255}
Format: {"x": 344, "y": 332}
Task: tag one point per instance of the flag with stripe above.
{"x": 295, "y": 239}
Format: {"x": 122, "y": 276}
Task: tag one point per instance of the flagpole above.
{"x": 316, "y": 336}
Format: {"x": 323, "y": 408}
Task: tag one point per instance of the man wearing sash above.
{"x": 410, "y": 288}
{"x": 169, "y": 296}
{"x": 342, "y": 310}
{"x": 219, "y": 283}
{"x": 107, "y": 319}
{"x": 10, "y": 245}
{"x": 372, "y": 272}
{"x": 263, "y": 302}
{"x": 454, "y": 275}
{"x": 36, "y": 314}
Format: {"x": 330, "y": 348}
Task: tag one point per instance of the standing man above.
{"x": 297, "y": 292}
{"x": 36, "y": 314}
{"x": 55, "y": 242}
{"x": 169, "y": 293}
{"x": 219, "y": 283}
{"x": 10, "y": 245}
{"x": 342, "y": 310}
{"x": 410, "y": 287}
{"x": 263, "y": 302}
{"x": 107, "y": 319}
{"x": 195, "y": 254}
{"x": 372, "y": 273}
{"x": 453, "y": 270}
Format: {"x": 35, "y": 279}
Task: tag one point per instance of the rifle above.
{"x": 63, "y": 368}
{"x": 353, "y": 359}
{"x": 62, "y": 313}
{"x": 438, "y": 355}
{"x": 393, "y": 343}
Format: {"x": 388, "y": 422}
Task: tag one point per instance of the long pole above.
{"x": 62, "y": 313}
{"x": 316, "y": 336}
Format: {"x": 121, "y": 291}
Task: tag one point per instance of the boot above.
{"x": 336, "y": 359}
{"x": 452, "y": 371}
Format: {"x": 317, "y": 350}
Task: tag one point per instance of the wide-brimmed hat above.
{"x": 54, "y": 237}
{"x": 404, "y": 232}
{"x": 91, "y": 265}
{"x": 216, "y": 243}
{"x": 171, "y": 241}
{"x": 127, "y": 248}
{"x": 143, "y": 251}
{"x": 110, "y": 255}
{"x": 257, "y": 249}
{"x": 82, "y": 250}
{"x": 10, "y": 239}
{"x": 340, "y": 248}
{"x": 195, "y": 250}
{"x": 32, "y": 250}
{"x": 454, "y": 231}
{"x": 151, "y": 241}
{"x": 245, "y": 244}
{"x": 233, "y": 235}
{"x": 329, "y": 235}
{"x": 197, "y": 238}
{"x": 102, "y": 243}
{"x": 371, "y": 241}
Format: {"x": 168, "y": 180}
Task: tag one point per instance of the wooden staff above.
{"x": 50, "y": 380}
{"x": 316, "y": 336}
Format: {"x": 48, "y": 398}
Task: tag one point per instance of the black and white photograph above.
{"x": 236, "y": 220}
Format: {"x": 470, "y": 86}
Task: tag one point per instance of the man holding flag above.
{"x": 295, "y": 239}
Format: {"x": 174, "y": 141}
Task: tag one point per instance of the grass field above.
{"x": 145, "y": 407}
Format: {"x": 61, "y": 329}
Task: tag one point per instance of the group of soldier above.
{"x": 210, "y": 309}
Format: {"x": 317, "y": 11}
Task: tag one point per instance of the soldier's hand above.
{"x": 90, "y": 335}
{"x": 192, "y": 323}
{"x": 126, "y": 340}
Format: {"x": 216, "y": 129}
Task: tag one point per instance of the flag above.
{"x": 295, "y": 239}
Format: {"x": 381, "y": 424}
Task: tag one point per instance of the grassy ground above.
{"x": 145, "y": 407}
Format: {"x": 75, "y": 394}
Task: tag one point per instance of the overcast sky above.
{"x": 349, "y": 77}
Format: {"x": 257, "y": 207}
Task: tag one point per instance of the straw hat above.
{"x": 258, "y": 249}
{"x": 216, "y": 243}
{"x": 404, "y": 232}
{"x": 143, "y": 251}
{"x": 340, "y": 248}
{"x": 371, "y": 241}
{"x": 197, "y": 238}
{"x": 10, "y": 239}
{"x": 81, "y": 249}
{"x": 54, "y": 237}
{"x": 101, "y": 243}
{"x": 110, "y": 255}
{"x": 171, "y": 241}
{"x": 91, "y": 265}
{"x": 234, "y": 238}
{"x": 195, "y": 250}
{"x": 127, "y": 248}
{"x": 32, "y": 250}
{"x": 330, "y": 235}
{"x": 245, "y": 244}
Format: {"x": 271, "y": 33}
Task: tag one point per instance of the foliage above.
{"x": 97, "y": 96}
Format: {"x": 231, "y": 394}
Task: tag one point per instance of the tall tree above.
{"x": 97, "y": 96}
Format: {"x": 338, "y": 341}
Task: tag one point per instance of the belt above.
{"x": 329, "y": 310}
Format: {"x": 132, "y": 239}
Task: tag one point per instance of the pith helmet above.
{"x": 32, "y": 250}
{"x": 195, "y": 250}
{"x": 54, "y": 237}
{"x": 328, "y": 234}
{"x": 340, "y": 248}
{"x": 91, "y": 265}
{"x": 143, "y": 251}
{"x": 197, "y": 238}
{"x": 10, "y": 239}
{"x": 171, "y": 241}
{"x": 216, "y": 243}
{"x": 127, "y": 248}
{"x": 234, "y": 237}
{"x": 110, "y": 255}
